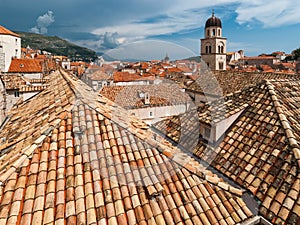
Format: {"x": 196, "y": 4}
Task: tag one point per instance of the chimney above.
{"x": 147, "y": 99}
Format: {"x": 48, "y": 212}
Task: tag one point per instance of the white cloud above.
{"x": 43, "y": 22}
{"x": 184, "y": 16}
{"x": 139, "y": 30}
{"x": 192, "y": 14}
{"x": 269, "y": 12}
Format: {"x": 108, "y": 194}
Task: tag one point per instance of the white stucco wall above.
{"x": 66, "y": 65}
{"x": 28, "y": 95}
{"x": 33, "y": 75}
{"x": 200, "y": 98}
{"x": 10, "y": 46}
{"x": 138, "y": 82}
{"x": 223, "y": 125}
{"x": 219, "y": 129}
{"x": 132, "y": 83}
{"x": 159, "y": 113}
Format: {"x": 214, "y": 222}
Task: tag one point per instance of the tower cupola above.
{"x": 213, "y": 21}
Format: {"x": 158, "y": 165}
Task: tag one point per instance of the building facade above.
{"x": 213, "y": 46}
{"x": 10, "y": 47}
{"x": 150, "y": 103}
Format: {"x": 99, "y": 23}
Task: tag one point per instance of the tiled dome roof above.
{"x": 213, "y": 22}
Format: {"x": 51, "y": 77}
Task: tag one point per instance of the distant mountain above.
{"x": 56, "y": 46}
{"x": 194, "y": 58}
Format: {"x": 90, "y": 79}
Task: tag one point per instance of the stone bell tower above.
{"x": 213, "y": 46}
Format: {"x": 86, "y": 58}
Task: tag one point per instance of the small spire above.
{"x": 213, "y": 12}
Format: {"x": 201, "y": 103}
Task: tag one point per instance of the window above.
{"x": 221, "y": 49}
{"x": 206, "y": 49}
{"x": 16, "y": 53}
{"x": 214, "y": 32}
{"x": 151, "y": 114}
{"x": 221, "y": 65}
{"x": 16, "y": 41}
{"x": 209, "y": 49}
{"x": 17, "y": 94}
{"x": 207, "y": 33}
{"x": 219, "y": 32}
{"x": 1, "y": 49}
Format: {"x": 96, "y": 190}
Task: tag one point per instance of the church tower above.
{"x": 213, "y": 46}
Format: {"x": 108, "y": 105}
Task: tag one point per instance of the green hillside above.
{"x": 56, "y": 46}
{"x": 194, "y": 58}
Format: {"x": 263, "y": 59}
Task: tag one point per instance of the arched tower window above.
{"x": 214, "y": 32}
{"x": 222, "y": 49}
{"x": 209, "y": 49}
{"x": 207, "y": 33}
{"x": 221, "y": 65}
{"x": 219, "y": 49}
{"x": 219, "y": 32}
{"x": 206, "y": 49}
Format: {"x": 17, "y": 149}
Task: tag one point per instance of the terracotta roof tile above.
{"x": 5, "y": 31}
{"x": 12, "y": 81}
{"x": 126, "y": 77}
{"x": 25, "y": 66}
{"x": 87, "y": 166}
{"x": 224, "y": 83}
{"x": 261, "y": 149}
{"x": 132, "y": 96}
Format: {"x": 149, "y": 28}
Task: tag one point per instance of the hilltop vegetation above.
{"x": 56, "y": 46}
{"x": 194, "y": 58}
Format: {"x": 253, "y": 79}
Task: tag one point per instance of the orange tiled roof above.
{"x": 128, "y": 77}
{"x": 261, "y": 150}
{"x": 223, "y": 83}
{"x": 41, "y": 56}
{"x": 71, "y": 156}
{"x": 5, "y": 31}
{"x": 125, "y": 77}
{"x": 174, "y": 70}
{"x": 258, "y": 57}
{"x": 25, "y": 66}
{"x": 160, "y": 95}
{"x": 267, "y": 154}
{"x": 99, "y": 75}
{"x": 18, "y": 82}
{"x": 12, "y": 81}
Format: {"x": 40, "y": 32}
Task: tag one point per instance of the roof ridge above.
{"x": 226, "y": 98}
{"x": 5, "y": 31}
{"x": 28, "y": 149}
{"x": 284, "y": 121}
{"x": 144, "y": 132}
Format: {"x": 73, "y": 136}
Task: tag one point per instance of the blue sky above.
{"x": 150, "y": 29}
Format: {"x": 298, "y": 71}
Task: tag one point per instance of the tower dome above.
{"x": 213, "y": 45}
{"x": 213, "y": 21}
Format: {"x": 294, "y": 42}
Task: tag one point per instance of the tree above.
{"x": 296, "y": 54}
